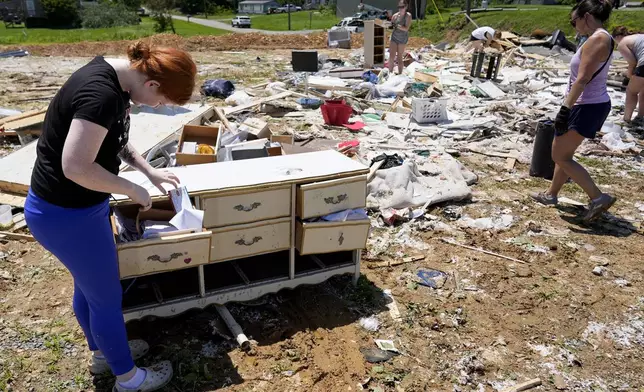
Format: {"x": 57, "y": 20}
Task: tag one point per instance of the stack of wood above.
{"x": 27, "y": 122}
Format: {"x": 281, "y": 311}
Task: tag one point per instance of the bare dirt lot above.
{"x": 491, "y": 324}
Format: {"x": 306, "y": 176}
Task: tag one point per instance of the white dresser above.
{"x": 256, "y": 238}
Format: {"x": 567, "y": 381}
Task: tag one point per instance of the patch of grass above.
{"x": 15, "y": 36}
{"x": 299, "y": 21}
{"x": 594, "y": 163}
{"x": 547, "y": 18}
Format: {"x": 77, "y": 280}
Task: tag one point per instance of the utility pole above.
{"x": 289, "y": 16}
{"x": 468, "y": 6}
{"x": 205, "y": 9}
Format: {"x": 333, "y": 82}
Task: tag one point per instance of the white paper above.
{"x": 187, "y": 216}
{"x": 189, "y": 148}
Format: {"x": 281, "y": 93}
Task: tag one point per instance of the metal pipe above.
{"x": 232, "y": 325}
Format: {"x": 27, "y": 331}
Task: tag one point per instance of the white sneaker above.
{"x": 156, "y": 377}
{"x": 139, "y": 348}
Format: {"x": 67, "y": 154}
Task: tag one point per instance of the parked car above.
{"x": 284, "y": 9}
{"x": 241, "y": 22}
{"x": 352, "y": 24}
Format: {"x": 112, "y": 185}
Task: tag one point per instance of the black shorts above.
{"x": 473, "y": 38}
{"x": 588, "y": 119}
{"x": 639, "y": 71}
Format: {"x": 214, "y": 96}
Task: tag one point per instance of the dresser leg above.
{"x": 356, "y": 262}
{"x": 291, "y": 261}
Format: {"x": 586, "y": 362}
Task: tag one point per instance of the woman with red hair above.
{"x": 84, "y": 138}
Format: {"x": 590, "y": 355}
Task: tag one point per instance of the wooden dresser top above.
{"x": 259, "y": 172}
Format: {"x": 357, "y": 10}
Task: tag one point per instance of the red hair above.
{"x": 174, "y": 69}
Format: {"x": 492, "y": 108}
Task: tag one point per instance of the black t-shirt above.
{"x": 92, "y": 93}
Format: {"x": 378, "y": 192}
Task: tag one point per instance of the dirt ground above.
{"x": 491, "y": 324}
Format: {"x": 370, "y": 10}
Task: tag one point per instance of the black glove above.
{"x": 561, "y": 121}
{"x": 625, "y": 81}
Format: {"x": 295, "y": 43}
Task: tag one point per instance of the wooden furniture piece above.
{"x": 374, "y": 43}
{"x": 258, "y": 236}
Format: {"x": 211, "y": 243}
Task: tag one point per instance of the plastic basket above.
{"x": 428, "y": 110}
{"x": 336, "y": 112}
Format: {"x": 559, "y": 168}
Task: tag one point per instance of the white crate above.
{"x": 429, "y": 110}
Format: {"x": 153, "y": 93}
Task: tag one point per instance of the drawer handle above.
{"x": 244, "y": 243}
{"x": 336, "y": 200}
{"x": 341, "y": 239}
{"x": 165, "y": 260}
{"x": 251, "y": 207}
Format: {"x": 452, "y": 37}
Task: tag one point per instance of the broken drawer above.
{"x": 167, "y": 253}
{"x": 322, "y": 198}
{"x": 327, "y": 237}
{"x": 236, "y": 208}
{"x": 250, "y": 239}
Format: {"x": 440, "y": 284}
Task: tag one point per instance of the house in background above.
{"x": 256, "y": 6}
{"x": 346, "y": 8}
{"x": 28, "y": 8}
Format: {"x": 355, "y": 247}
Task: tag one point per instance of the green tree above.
{"x": 161, "y": 12}
{"x": 61, "y": 13}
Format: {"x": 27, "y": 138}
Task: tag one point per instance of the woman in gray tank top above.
{"x": 631, "y": 46}
{"x": 399, "y": 38}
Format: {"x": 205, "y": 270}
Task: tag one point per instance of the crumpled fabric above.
{"x": 434, "y": 180}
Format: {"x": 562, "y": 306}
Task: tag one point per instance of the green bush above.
{"x": 61, "y": 13}
{"x": 108, "y": 15}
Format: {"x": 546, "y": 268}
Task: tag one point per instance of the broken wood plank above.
{"x": 487, "y": 252}
{"x": 25, "y": 122}
{"x": 12, "y": 200}
{"x": 21, "y": 116}
{"x": 16, "y": 236}
{"x": 511, "y": 160}
{"x": 405, "y": 260}
{"x": 251, "y": 105}
{"x": 222, "y": 117}
{"x": 489, "y": 154}
{"x": 373, "y": 170}
{"x": 524, "y": 386}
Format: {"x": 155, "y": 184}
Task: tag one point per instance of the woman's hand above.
{"x": 140, "y": 195}
{"x": 561, "y": 121}
{"x": 159, "y": 177}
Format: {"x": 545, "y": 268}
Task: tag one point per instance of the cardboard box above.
{"x": 256, "y": 128}
{"x": 283, "y": 139}
{"x": 201, "y": 135}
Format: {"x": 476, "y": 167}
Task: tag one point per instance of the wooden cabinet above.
{"x": 251, "y": 239}
{"x": 326, "y": 197}
{"x": 169, "y": 253}
{"x": 246, "y": 206}
{"x": 257, "y": 235}
{"x": 374, "y": 43}
{"x": 327, "y": 237}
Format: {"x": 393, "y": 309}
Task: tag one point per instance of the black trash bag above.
{"x": 218, "y": 88}
{"x": 390, "y": 161}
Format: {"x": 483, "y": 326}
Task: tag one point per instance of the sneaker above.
{"x": 156, "y": 377}
{"x": 596, "y": 208}
{"x": 139, "y": 348}
{"x": 543, "y": 198}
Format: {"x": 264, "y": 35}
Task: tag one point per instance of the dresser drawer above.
{"x": 322, "y": 198}
{"x": 250, "y": 239}
{"x": 327, "y": 237}
{"x": 231, "y": 209}
{"x": 168, "y": 253}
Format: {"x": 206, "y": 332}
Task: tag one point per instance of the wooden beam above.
{"x": 21, "y": 116}
{"x": 16, "y": 236}
{"x": 12, "y": 200}
{"x": 26, "y": 122}
{"x": 241, "y": 108}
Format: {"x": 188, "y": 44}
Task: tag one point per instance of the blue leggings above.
{"x": 82, "y": 240}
